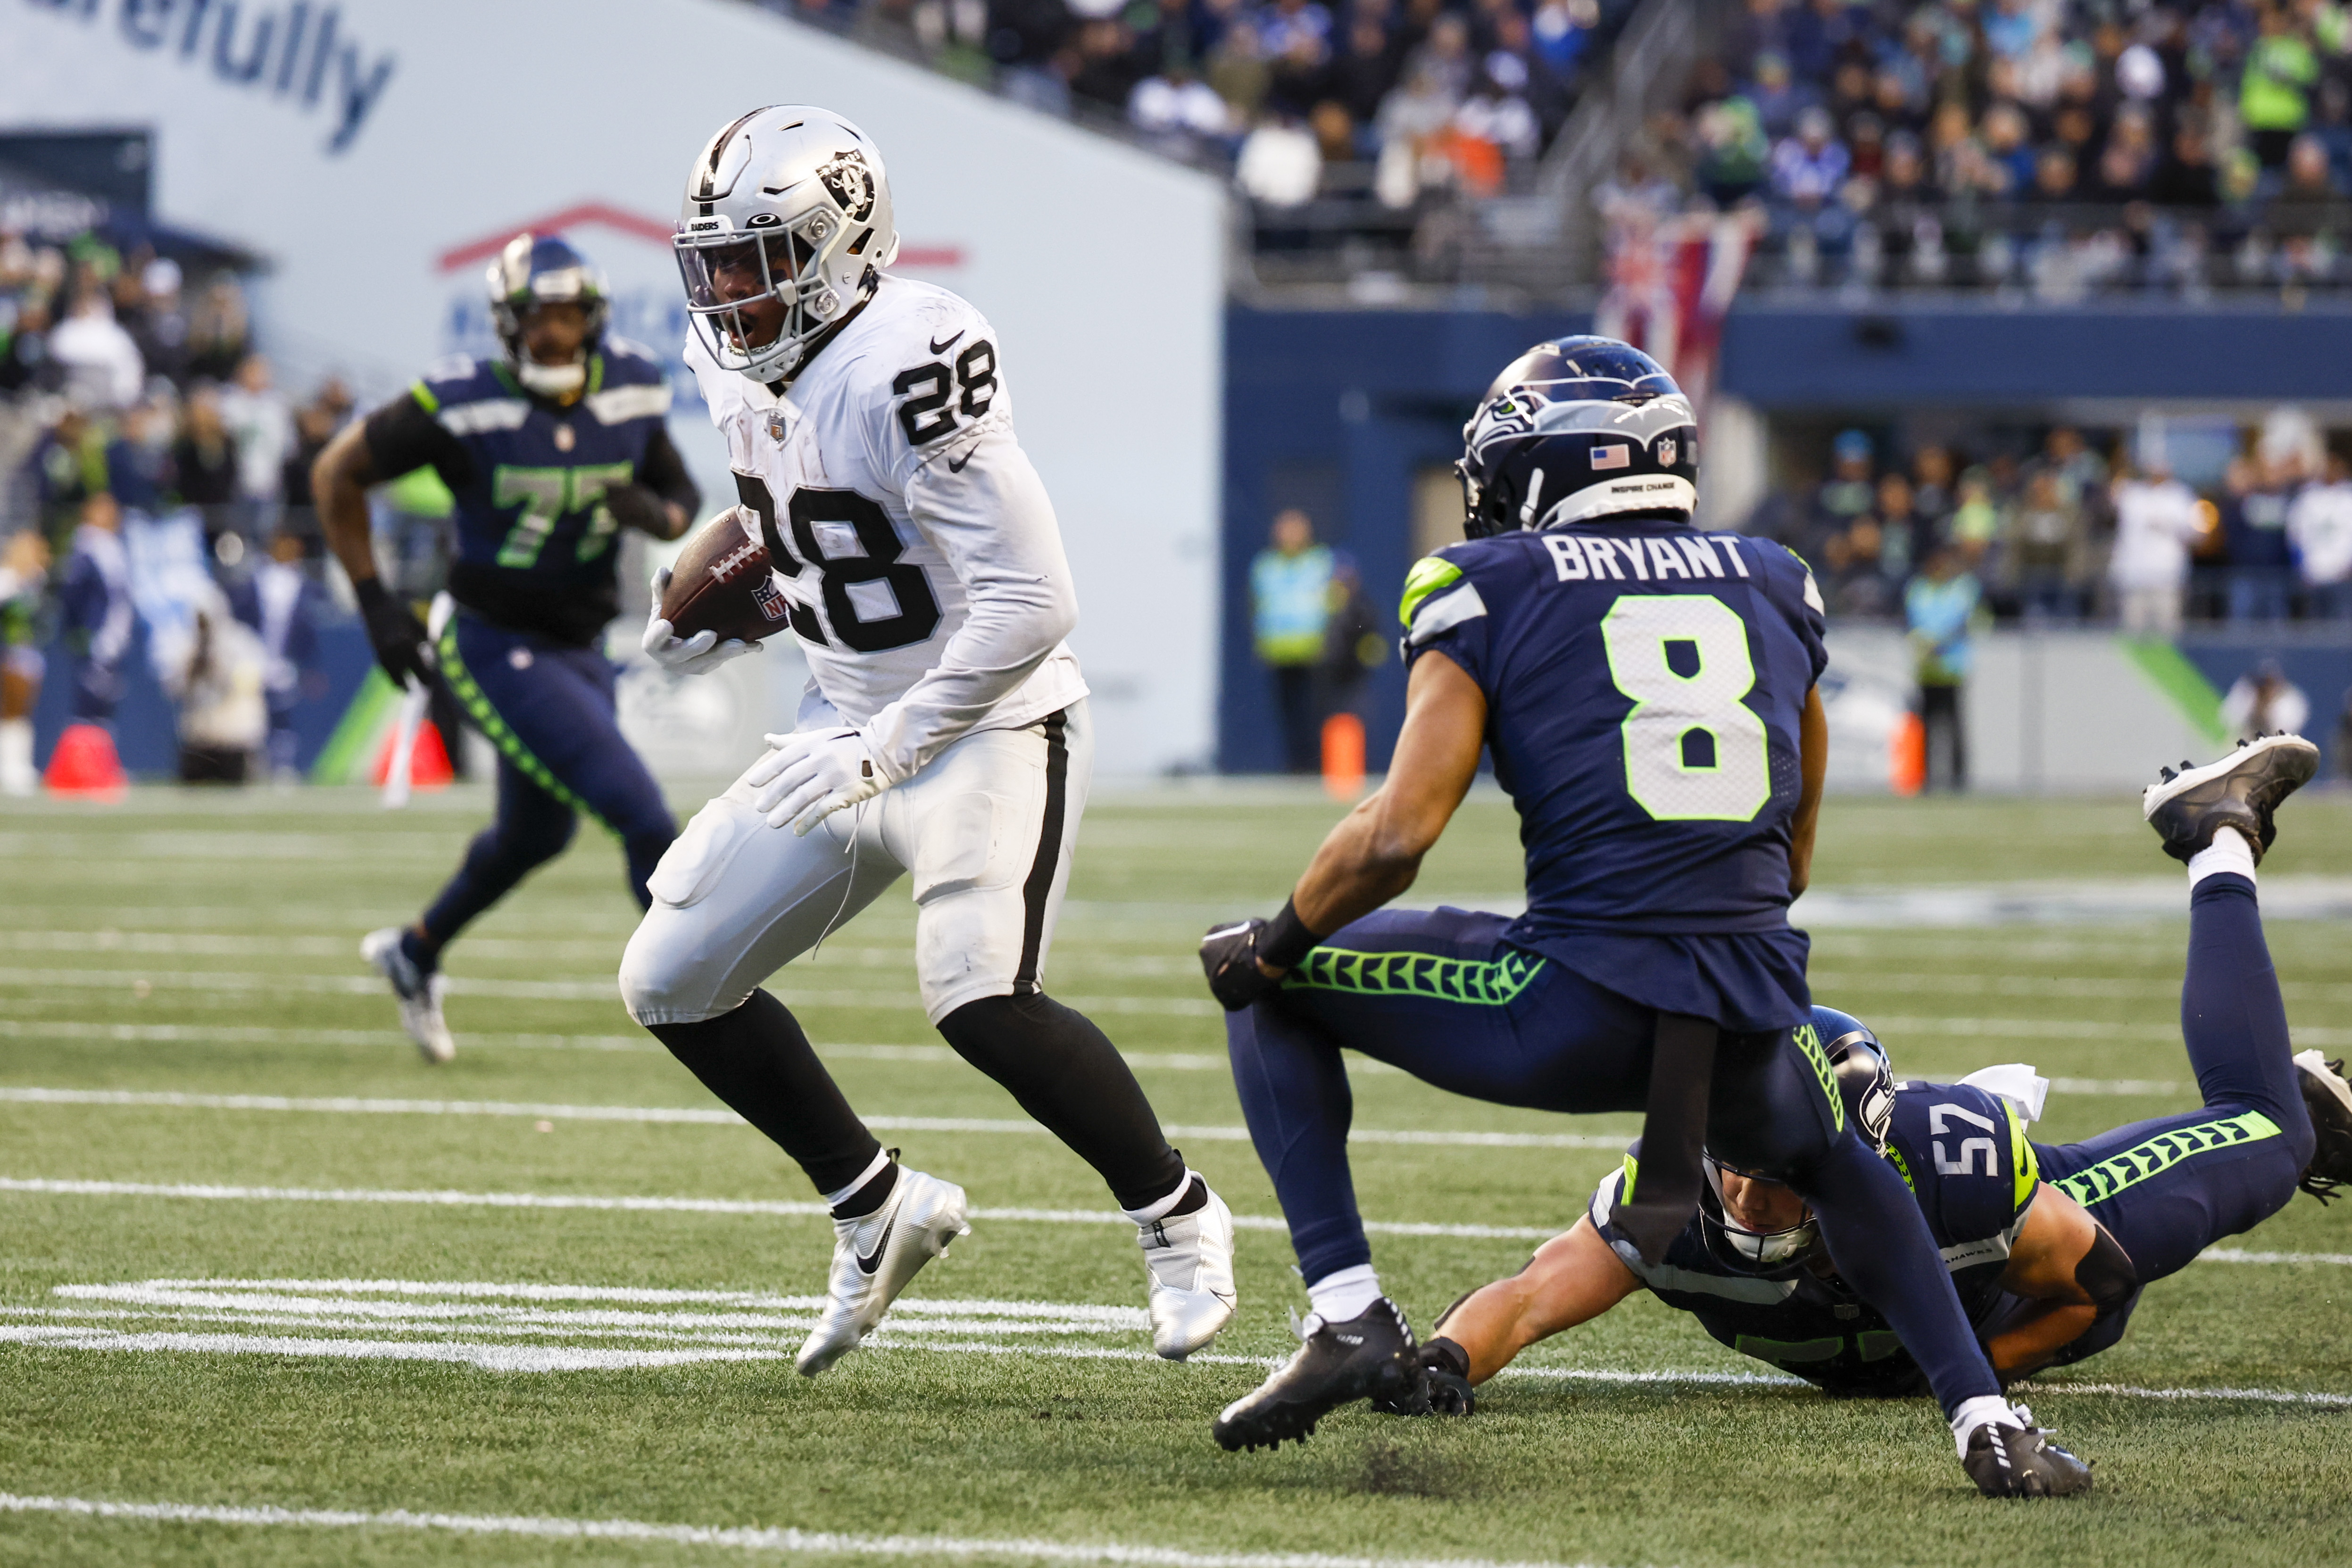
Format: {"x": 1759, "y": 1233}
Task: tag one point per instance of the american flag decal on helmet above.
{"x": 1612, "y": 456}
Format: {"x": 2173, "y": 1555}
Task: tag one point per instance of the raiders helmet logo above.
{"x": 850, "y": 184}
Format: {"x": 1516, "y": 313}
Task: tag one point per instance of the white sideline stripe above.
{"x": 570, "y": 990}
{"x": 443, "y": 1200}
{"x": 2235, "y": 1255}
{"x": 712, "y": 1115}
{"x": 740, "y": 1538}
{"x": 1766, "y": 1379}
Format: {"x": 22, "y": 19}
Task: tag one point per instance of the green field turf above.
{"x": 205, "y": 947}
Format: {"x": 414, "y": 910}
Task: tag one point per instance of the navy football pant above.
{"x": 1440, "y": 994}
{"x": 549, "y": 709}
{"x": 2170, "y": 1188}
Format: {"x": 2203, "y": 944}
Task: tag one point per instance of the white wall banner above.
{"x": 378, "y": 151}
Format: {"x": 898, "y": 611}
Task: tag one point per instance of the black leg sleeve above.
{"x": 1066, "y": 1073}
{"x": 756, "y": 1059}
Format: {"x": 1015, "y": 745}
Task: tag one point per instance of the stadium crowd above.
{"x": 128, "y": 400}
{"x": 2082, "y": 527}
{"x": 2055, "y": 146}
{"x": 1387, "y": 98}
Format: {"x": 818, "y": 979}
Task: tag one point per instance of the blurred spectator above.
{"x": 1561, "y": 30}
{"x": 1240, "y": 74}
{"x": 24, "y": 568}
{"x": 1810, "y": 165}
{"x": 2253, "y": 524}
{"x": 2047, "y": 548}
{"x": 1931, "y": 487}
{"x": 204, "y": 461}
{"x": 263, "y": 428}
{"x": 2273, "y": 96}
{"x": 1412, "y": 121}
{"x": 1176, "y": 103}
{"x": 2319, "y": 528}
{"x": 1904, "y": 538}
{"x": 280, "y": 603}
{"x": 101, "y": 364}
{"x": 2264, "y": 700}
{"x": 1975, "y": 518}
{"x": 219, "y": 335}
{"x": 1279, "y": 164}
{"x": 69, "y": 467}
{"x": 223, "y": 717}
{"x": 95, "y": 602}
{"x": 1363, "y": 75}
{"x": 2157, "y": 520}
{"x": 1940, "y": 610}
{"x": 1291, "y": 598}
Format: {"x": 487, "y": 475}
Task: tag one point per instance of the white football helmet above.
{"x": 791, "y": 203}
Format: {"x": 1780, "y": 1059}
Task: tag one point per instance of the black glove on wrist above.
{"x": 399, "y": 639}
{"x": 1230, "y": 956}
{"x": 637, "y": 506}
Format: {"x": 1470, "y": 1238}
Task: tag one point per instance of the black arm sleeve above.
{"x": 402, "y": 437}
{"x": 663, "y": 471}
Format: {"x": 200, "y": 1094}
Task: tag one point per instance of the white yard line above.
{"x": 443, "y": 1199}
{"x": 720, "y": 1116}
{"x": 776, "y": 1540}
{"x": 580, "y": 988}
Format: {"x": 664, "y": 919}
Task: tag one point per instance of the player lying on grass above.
{"x": 1648, "y": 692}
{"x": 548, "y": 449}
{"x": 944, "y": 735}
{"x": 2050, "y": 1244}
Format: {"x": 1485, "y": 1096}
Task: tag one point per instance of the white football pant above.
{"x": 985, "y": 832}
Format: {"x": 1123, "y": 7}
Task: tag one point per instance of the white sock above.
{"x": 881, "y": 1163}
{"x": 1336, "y": 1297}
{"x": 1985, "y": 1410}
{"x": 1159, "y": 1210}
{"x": 16, "y": 775}
{"x": 2228, "y": 851}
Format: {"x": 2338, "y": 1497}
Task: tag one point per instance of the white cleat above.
{"x": 874, "y": 1256}
{"x": 419, "y": 993}
{"x": 1188, "y": 1259}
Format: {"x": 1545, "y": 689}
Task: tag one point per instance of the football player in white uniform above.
{"x": 944, "y": 736}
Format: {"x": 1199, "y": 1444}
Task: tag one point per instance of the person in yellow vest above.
{"x": 1290, "y": 599}
{"x": 2274, "y": 94}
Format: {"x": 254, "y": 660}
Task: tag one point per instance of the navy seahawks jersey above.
{"x": 1644, "y": 684}
{"x": 534, "y": 546}
{"x": 1964, "y": 1153}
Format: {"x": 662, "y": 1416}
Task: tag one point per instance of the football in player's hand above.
{"x": 720, "y": 582}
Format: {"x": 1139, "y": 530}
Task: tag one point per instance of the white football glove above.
{"x": 696, "y": 655}
{"x": 808, "y": 778}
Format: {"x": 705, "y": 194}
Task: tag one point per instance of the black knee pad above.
{"x": 2105, "y": 1272}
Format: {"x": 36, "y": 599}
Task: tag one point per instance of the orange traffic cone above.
{"x": 84, "y": 765}
{"x": 1343, "y": 756}
{"x": 428, "y": 760}
{"x": 1906, "y": 756}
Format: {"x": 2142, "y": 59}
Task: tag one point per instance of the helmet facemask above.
{"x": 532, "y": 272}
{"x": 1768, "y": 1253}
{"x": 728, "y": 272}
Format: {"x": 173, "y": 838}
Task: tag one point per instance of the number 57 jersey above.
{"x": 1644, "y": 684}
{"x": 914, "y": 542}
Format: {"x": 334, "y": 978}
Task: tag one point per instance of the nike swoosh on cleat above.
{"x": 944, "y": 344}
{"x": 870, "y": 1263}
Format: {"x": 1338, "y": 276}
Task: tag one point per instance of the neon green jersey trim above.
{"x": 2023, "y": 1162}
{"x": 1809, "y": 1040}
{"x": 2160, "y": 1153}
{"x": 1492, "y": 982}
{"x": 1429, "y": 574}
{"x": 1632, "y": 1169}
{"x": 424, "y": 398}
{"x": 463, "y": 686}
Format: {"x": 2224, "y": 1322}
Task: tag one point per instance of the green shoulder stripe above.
{"x": 424, "y": 398}
{"x": 1429, "y": 574}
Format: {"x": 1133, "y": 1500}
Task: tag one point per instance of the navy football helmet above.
{"x": 1865, "y": 1082}
{"x": 1575, "y": 429}
{"x": 544, "y": 269}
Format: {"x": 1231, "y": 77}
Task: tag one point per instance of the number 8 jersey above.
{"x": 1644, "y": 684}
{"x": 913, "y": 540}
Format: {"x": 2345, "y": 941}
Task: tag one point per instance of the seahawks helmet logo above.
{"x": 850, "y": 184}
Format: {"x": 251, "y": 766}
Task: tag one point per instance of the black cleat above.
{"x": 1370, "y": 1356}
{"x": 2240, "y": 791}
{"x": 2328, "y": 1098}
{"x": 1447, "y": 1389}
{"x": 2021, "y": 1461}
